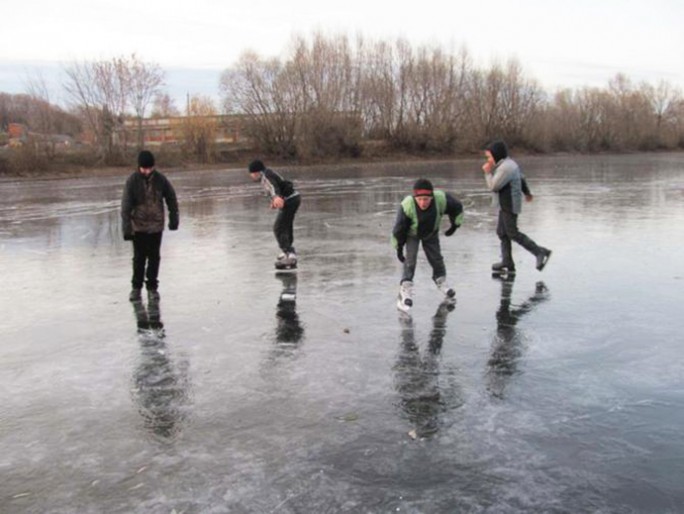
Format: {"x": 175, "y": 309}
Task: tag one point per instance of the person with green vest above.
{"x": 418, "y": 221}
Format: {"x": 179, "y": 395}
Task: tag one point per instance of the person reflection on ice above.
{"x": 159, "y": 391}
{"x": 289, "y": 330}
{"x": 417, "y": 377}
{"x": 508, "y": 343}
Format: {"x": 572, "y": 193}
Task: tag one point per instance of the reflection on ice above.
{"x": 416, "y": 375}
{"x": 289, "y": 330}
{"x": 160, "y": 388}
{"x": 509, "y": 344}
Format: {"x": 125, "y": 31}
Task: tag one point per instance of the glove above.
{"x": 128, "y": 237}
{"x": 173, "y": 221}
{"x": 451, "y": 230}
{"x": 400, "y": 254}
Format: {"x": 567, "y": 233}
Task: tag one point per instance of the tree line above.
{"x": 331, "y": 97}
{"x": 102, "y": 98}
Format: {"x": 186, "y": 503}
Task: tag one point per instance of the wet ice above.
{"x": 558, "y": 391}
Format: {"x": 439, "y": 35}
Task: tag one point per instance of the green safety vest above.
{"x": 409, "y": 206}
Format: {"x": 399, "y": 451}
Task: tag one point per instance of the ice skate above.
{"x": 405, "y": 297}
{"x": 286, "y": 266}
{"x": 280, "y": 260}
{"x": 288, "y": 263}
{"x": 449, "y": 292}
{"x": 542, "y": 258}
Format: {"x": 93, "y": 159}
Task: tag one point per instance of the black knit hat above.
{"x": 146, "y": 159}
{"x": 422, "y": 187}
{"x": 256, "y": 166}
{"x": 498, "y": 149}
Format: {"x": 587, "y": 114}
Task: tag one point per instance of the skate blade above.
{"x": 503, "y": 273}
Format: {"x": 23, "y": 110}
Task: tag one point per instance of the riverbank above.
{"x": 112, "y": 171}
{"x": 123, "y": 171}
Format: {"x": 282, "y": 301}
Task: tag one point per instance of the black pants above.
{"x": 433, "y": 252}
{"x": 283, "y": 226}
{"x": 507, "y": 230}
{"x": 146, "y": 252}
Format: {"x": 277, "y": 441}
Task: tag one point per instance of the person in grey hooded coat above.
{"x": 505, "y": 179}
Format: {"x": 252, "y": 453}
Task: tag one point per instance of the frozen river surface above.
{"x": 561, "y": 391}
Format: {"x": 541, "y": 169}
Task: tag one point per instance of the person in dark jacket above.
{"x": 284, "y": 197}
{"x": 142, "y": 216}
{"x": 418, "y": 221}
{"x": 505, "y": 179}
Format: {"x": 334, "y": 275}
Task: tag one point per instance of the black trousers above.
{"x": 433, "y": 252}
{"x": 507, "y": 230}
{"x": 283, "y": 226}
{"x": 146, "y": 254}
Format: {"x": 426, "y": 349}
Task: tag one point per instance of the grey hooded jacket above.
{"x": 506, "y": 181}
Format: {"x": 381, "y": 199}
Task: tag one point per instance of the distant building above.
{"x": 17, "y": 131}
{"x": 158, "y": 131}
{"x": 62, "y": 141}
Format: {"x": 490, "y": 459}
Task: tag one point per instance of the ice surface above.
{"x": 246, "y": 391}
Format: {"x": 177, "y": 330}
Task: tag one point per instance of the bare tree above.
{"x": 37, "y": 89}
{"x": 623, "y": 113}
{"x": 379, "y": 102}
{"x": 664, "y": 100}
{"x": 504, "y": 103}
{"x": 144, "y": 82}
{"x": 324, "y": 72}
{"x": 164, "y": 106}
{"x": 521, "y": 102}
{"x": 103, "y": 92}
{"x": 41, "y": 113}
{"x": 98, "y": 92}
{"x": 262, "y": 92}
{"x": 434, "y": 105}
{"x": 327, "y": 96}
{"x": 199, "y": 128}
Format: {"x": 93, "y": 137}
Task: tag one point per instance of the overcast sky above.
{"x": 560, "y": 43}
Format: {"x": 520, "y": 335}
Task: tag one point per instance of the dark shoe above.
{"x": 153, "y": 295}
{"x": 542, "y": 258}
{"x": 134, "y": 295}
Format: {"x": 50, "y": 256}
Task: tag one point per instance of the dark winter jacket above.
{"x": 142, "y": 204}
{"x": 275, "y": 185}
{"x": 412, "y": 221}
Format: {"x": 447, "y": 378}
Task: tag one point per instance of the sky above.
{"x": 569, "y": 43}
